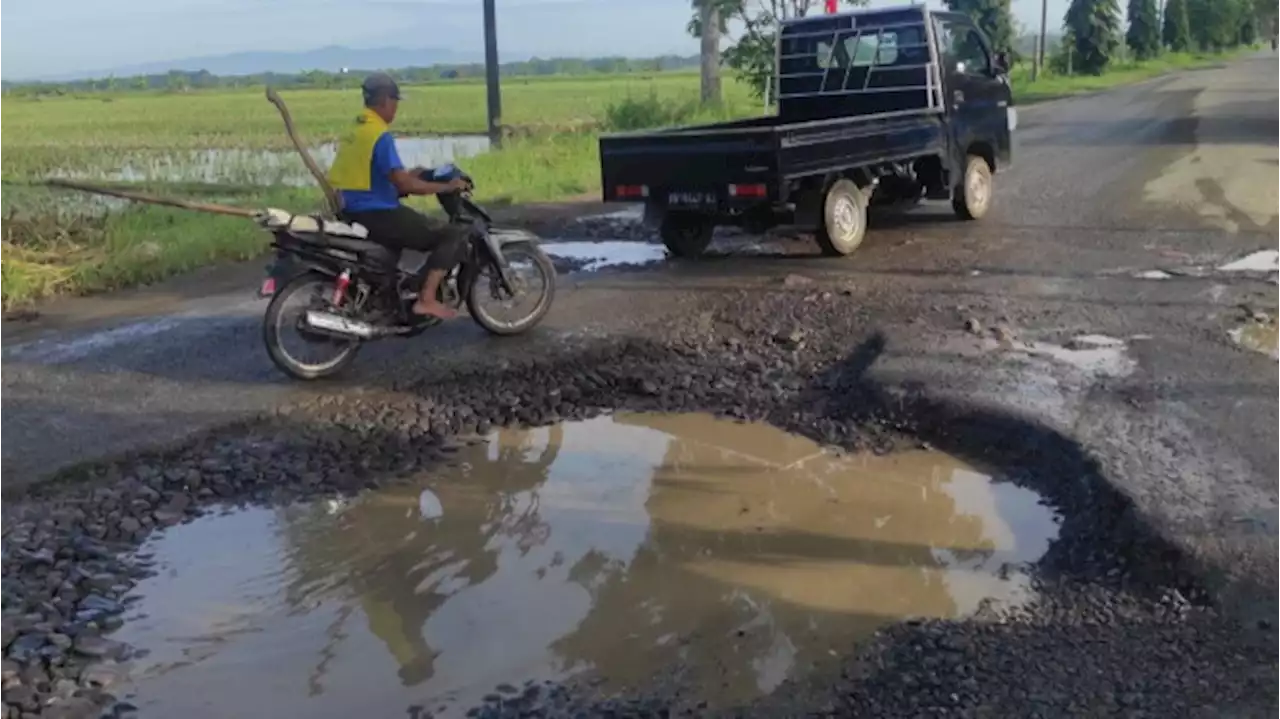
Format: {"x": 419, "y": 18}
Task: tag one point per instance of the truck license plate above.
{"x": 691, "y": 199}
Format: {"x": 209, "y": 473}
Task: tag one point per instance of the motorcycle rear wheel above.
{"x": 284, "y": 318}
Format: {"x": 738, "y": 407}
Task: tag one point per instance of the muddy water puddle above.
{"x": 1259, "y": 337}
{"x": 631, "y": 550}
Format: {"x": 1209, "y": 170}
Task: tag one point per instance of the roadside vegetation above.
{"x": 227, "y": 144}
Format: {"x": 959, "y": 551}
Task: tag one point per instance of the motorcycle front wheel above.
{"x": 299, "y": 353}
{"x": 504, "y": 313}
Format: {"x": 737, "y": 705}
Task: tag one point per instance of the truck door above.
{"x": 977, "y": 95}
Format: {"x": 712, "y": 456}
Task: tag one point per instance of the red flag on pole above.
{"x": 831, "y": 6}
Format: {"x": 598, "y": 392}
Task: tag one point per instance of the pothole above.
{"x": 625, "y": 550}
{"x": 1259, "y": 337}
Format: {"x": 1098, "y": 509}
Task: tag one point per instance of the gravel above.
{"x": 1123, "y": 625}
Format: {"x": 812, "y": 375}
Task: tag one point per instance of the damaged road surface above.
{"x": 1011, "y": 468}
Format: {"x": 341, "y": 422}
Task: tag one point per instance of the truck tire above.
{"x": 686, "y": 236}
{"x": 972, "y": 195}
{"x": 844, "y": 219}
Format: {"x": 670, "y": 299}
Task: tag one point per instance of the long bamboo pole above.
{"x": 153, "y": 199}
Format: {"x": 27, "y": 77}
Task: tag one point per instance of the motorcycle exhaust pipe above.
{"x": 330, "y": 323}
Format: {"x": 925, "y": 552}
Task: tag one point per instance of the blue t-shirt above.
{"x": 381, "y": 195}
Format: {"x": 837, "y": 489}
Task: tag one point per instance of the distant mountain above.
{"x": 331, "y": 59}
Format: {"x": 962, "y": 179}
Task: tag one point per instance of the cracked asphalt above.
{"x": 1176, "y": 175}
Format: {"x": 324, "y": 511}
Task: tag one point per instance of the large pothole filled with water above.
{"x": 622, "y": 552}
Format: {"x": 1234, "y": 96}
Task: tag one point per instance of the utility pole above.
{"x": 1044, "y": 23}
{"x": 491, "y": 74}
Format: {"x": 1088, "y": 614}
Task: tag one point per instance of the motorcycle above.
{"x": 335, "y": 290}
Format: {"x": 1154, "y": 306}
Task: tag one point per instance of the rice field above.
{"x": 230, "y": 146}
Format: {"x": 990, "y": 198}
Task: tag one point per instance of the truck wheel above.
{"x": 972, "y": 197}
{"x": 686, "y": 237}
{"x": 844, "y": 219}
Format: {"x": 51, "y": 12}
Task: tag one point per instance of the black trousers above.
{"x": 405, "y": 228}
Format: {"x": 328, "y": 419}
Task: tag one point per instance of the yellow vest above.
{"x": 353, "y": 165}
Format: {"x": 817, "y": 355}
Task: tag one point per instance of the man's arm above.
{"x": 409, "y": 184}
{"x": 386, "y": 160}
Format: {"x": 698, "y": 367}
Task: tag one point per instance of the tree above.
{"x": 1215, "y": 24}
{"x": 1143, "y": 36}
{"x": 993, "y": 16}
{"x": 1095, "y": 27}
{"x": 709, "y": 22}
{"x": 1176, "y": 32}
{"x": 751, "y": 54}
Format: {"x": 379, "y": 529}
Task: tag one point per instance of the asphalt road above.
{"x": 1176, "y": 175}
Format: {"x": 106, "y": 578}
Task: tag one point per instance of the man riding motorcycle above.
{"x": 371, "y": 179}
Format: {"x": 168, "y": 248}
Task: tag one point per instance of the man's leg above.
{"x": 445, "y": 243}
{"x": 406, "y": 228}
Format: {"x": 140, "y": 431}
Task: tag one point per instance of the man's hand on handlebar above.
{"x": 410, "y": 184}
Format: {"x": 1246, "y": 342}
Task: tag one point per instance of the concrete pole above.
{"x": 1044, "y": 24}
{"x": 491, "y": 74}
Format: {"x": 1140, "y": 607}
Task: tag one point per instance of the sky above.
{"x": 42, "y": 38}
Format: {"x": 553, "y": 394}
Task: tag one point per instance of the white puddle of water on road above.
{"x": 1096, "y": 355}
{"x": 60, "y": 349}
{"x": 622, "y": 548}
{"x": 1153, "y": 275}
{"x": 1262, "y": 261}
{"x": 57, "y": 351}
{"x": 631, "y": 213}
{"x": 608, "y": 253}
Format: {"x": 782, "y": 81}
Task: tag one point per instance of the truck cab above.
{"x": 877, "y": 107}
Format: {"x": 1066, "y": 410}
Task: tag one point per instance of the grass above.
{"x": 57, "y": 243}
{"x": 1051, "y": 86}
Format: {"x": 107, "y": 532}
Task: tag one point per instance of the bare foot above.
{"x": 434, "y": 309}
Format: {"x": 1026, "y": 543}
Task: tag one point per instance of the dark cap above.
{"x": 377, "y": 86}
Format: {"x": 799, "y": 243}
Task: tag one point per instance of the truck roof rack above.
{"x": 871, "y": 61}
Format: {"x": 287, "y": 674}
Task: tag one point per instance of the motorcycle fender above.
{"x": 507, "y": 237}
{"x": 493, "y": 243}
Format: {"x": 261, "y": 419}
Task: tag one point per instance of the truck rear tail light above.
{"x": 632, "y": 191}
{"x": 748, "y": 191}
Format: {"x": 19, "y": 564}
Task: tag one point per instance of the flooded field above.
{"x": 631, "y": 550}
{"x": 263, "y": 167}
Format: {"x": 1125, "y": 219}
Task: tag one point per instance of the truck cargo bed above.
{"x": 760, "y": 150}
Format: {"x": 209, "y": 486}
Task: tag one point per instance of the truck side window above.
{"x": 962, "y": 49}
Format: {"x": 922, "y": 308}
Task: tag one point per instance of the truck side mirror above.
{"x": 1000, "y": 63}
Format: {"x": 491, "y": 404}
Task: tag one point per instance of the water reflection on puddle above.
{"x": 1259, "y": 337}
{"x": 261, "y": 167}
{"x": 620, "y": 548}
{"x": 606, "y": 253}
